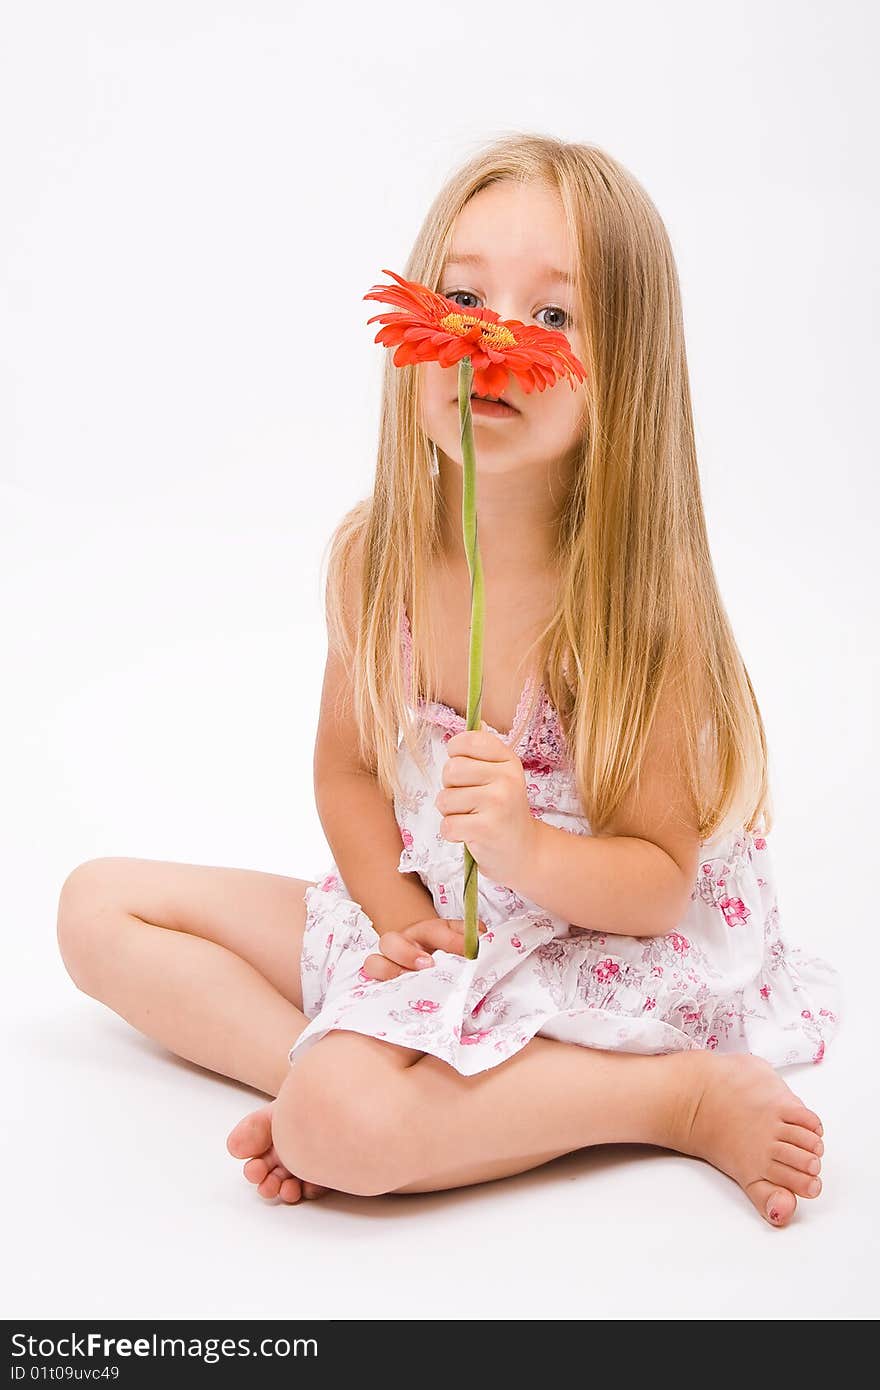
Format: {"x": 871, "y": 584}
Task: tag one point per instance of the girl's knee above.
{"x": 349, "y": 1138}
{"x": 85, "y": 905}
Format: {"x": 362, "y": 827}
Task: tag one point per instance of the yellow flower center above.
{"x": 495, "y": 334}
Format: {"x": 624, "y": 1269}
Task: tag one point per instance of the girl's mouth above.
{"x": 492, "y": 409}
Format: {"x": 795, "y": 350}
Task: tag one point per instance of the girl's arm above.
{"x": 636, "y": 878}
{"x": 357, "y": 818}
{"x": 619, "y": 884}
{"x": 364, "y": 838}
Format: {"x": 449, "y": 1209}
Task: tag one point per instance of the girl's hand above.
{"x": 401, "y": 949}
{"x": 484, "y": 804}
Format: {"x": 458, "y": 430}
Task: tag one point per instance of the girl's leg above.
{"x": 205, "y": 960}
{"x": 352, "y": 1116}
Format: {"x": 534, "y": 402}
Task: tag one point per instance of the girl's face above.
{"x": 509, "y": 253}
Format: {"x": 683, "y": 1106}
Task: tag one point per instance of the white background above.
{"x": 196, "y": 198}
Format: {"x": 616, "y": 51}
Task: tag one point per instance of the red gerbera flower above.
{"x": 428, "y": 327}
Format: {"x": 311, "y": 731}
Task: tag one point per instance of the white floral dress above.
{"x": 726, "y": 979}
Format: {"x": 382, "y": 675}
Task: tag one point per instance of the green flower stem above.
{"x": 478, "y": 608}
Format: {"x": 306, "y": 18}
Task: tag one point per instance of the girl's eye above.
{"x": 452, "y": 294}
{"x": 560, "y": 327}
{"x": 550, "y": 308}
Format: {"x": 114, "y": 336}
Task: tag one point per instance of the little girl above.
{"x": 633, "y": 982}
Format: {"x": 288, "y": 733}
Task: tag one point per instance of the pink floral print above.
{"x": 725, "y": 979}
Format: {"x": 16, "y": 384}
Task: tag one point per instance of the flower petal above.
{"x": 428, "y": 327}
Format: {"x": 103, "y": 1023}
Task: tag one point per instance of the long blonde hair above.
{"x": 639, "y": 606}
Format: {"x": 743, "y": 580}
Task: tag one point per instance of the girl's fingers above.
{"x": 379, "y": 967}
{"x": 458, "y": 924}
{"x": 449, "y": 934}
{"x": 459, "y": 801}
{"x": 404, "y": 952}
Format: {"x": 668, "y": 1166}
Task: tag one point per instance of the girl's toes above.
{"x": 252, "y": 1135}
{"x": 799, "y": 1115}
{"x": 796, "y": 1157}
{"x": 803, "y": 1184}
{"x": 256, "y": 1169}
{"x": 776, "y": 1204}
{"x": 803, "y": 1138}
{"x": 271, "y": 1184}
{"x": 813, "y": 1123}
{"x": 290, "y": 1190}
{"x": 313, "y": 1189}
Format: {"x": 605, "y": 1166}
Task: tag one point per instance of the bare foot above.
{"x": 745, "y": 1120}
{"x": 252, "y": 1139}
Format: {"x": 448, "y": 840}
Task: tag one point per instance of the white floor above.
{"x": 124, "y": 1203}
